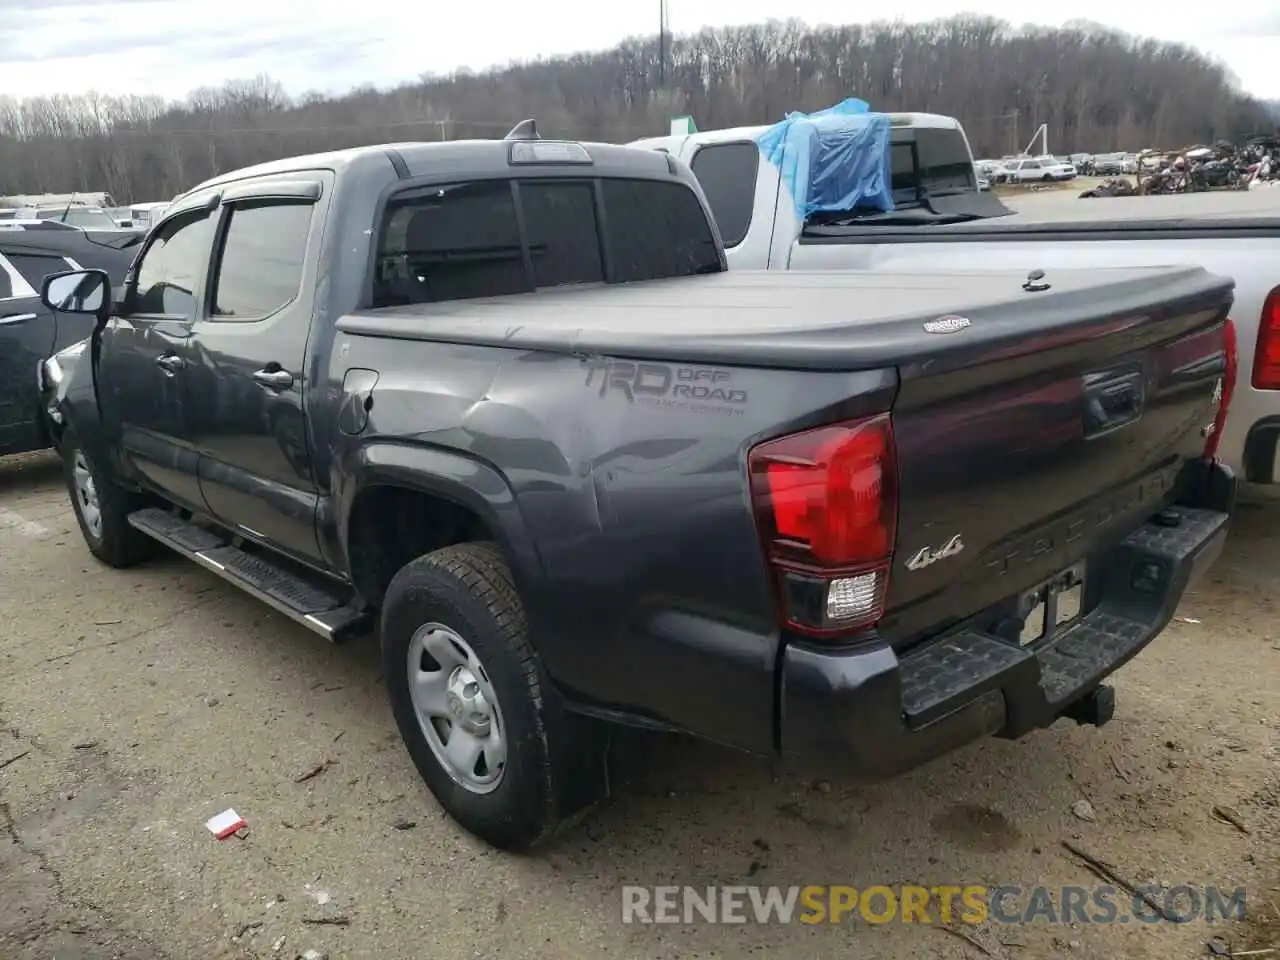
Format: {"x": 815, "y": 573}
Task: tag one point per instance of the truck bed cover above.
{"x": 1064, "y": 215}
{"x": 790, "y": 319}
{"x": 1261, "y": 204}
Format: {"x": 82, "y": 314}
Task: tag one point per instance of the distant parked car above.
{"x": 73, "y": 214}
{"x": 992, "y": 171}
{"x": 1031, "y": 169}
{"x": 1109, "y": 164}
{"x": 143, "y": 215}
{"x": 29, "y": 332}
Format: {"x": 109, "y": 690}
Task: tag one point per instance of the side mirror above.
{"x": 78, "y": 291}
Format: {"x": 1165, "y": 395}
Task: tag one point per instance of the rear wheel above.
{"x": 474, "y": 705}
{"x": 102, "y": 509}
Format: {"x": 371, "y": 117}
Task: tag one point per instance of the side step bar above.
{"x": 313, "y": 607}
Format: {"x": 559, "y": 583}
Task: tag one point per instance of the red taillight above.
{"x": 1228, "y": 387}
{"x": 826, "y": 501}
{"x": 1266, "y": 354}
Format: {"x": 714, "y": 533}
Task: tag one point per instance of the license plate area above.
{"x": 1051, "y": 607}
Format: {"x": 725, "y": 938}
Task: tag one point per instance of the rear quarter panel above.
{"x": 648, "y": 594}
{"x": 1253, "y": 262}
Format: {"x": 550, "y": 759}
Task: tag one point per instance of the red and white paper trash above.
{"x": 225, "y": 824}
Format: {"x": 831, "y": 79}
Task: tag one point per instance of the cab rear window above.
{"x": 464, "y": 240}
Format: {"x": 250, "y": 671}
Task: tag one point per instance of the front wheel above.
{"x": 102, "y": 509}
{"x": 474, "y": 705}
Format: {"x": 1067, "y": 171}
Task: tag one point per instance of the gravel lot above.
{"x": 137, "y": 704}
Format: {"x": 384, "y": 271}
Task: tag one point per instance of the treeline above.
{"x": 1097, "y": 89}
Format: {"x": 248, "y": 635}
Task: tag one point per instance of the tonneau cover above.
{"x": 816, "y": 320}
{"x": 1064, "y": 213}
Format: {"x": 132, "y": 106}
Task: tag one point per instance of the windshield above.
{"x": 85, "y": 217}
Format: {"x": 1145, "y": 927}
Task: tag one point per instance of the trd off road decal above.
{"x": 698, "y": 389}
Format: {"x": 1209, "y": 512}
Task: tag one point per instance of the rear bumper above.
{"x": 865, "y": 713}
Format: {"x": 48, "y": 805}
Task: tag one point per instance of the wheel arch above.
{"x": 407, "y": 499}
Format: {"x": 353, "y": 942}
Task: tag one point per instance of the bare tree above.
{"x": 1096, "y": 88}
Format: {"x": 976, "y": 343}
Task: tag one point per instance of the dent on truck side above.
{"x": 621, "y": 503}
{"x": 81, "y": 411}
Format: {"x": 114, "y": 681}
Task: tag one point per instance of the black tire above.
{"x": 112, "y": 540}
{"x": 554, "y": 761}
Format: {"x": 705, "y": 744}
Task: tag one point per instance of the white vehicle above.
{"x": 143, "y": 215}
{"x": 943, "y": 222}
{"x": 993, "y": 171}
{"x": 87, "y": 198}
{"x": 71, "y": 214}
{"x": 1040, "y": 169}
{"x": 27, "y": 223}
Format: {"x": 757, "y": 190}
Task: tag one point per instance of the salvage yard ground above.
{"x": 137, "y": 704}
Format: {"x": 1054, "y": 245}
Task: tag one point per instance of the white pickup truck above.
{"x": 941, "y": 221}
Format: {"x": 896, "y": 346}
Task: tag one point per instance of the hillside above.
{"x": 1096, "y": 89}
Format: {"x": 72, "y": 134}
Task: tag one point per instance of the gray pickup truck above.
{"x": 503, "y": 401}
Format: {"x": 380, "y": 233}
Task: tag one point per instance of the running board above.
{"x": 313, "y": 607}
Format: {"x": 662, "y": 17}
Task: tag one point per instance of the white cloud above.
{"x": 167, "y": 47}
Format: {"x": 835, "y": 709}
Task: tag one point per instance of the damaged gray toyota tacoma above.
{"x": 500, "y": 403}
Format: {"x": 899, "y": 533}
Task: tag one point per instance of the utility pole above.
{"x": 1014, "y": 131}
{"x": 662, "y": 43}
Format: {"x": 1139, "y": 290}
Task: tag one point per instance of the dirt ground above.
{"x": 134, "y": 705}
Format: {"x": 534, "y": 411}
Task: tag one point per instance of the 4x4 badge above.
{"x": 926, "y": 556}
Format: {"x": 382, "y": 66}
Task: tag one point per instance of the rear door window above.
{"x": 727, "y": 175}
{"x": 943, "y": 155}
{"x": 13, "y": 285}
{"x": 260, "y": 267}
{"x": 933, "y": 159}
{"x": 34, "y": 267}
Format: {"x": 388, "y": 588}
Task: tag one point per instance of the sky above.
{"x": 168, "y": 47}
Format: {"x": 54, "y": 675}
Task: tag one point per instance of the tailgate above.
{"x": 1017, "y": 460}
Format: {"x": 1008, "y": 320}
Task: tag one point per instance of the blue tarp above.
{"x": 832, "y": 160}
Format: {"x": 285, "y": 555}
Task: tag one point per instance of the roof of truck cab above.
{"x": 473, "y": 157}
{"x": 783, "y": 318}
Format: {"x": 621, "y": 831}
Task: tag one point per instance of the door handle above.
{"x": 275, "y": 379}
{"x": 16, "y": 318}
{"x": 170, "y": 363}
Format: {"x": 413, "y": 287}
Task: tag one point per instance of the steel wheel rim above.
{"x": 457, "y": 708}
{"x": 87, "y": 496}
